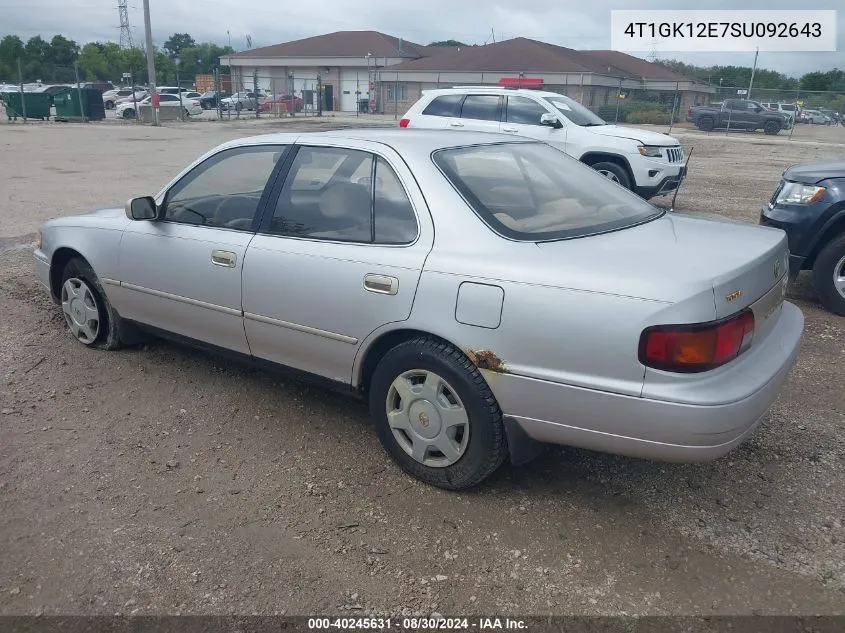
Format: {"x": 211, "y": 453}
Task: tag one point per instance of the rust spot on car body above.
{"x": 485, "y": 359}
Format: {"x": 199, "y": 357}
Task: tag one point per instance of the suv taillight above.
{"x": 696, "y": 347}
{"x": 404, "y": 122}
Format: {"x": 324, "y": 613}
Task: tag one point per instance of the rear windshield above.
{"x": 534, "y": 192}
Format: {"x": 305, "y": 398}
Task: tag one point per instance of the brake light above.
{"x": 696, "y": 347}
{"x": 404, "y": 122}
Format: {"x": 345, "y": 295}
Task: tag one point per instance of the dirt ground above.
{"x": 163, "y": 480}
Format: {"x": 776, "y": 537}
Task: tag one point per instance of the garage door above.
{"x": 350, "y": 83}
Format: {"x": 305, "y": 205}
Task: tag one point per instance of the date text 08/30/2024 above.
{"x": 418, "y": 624}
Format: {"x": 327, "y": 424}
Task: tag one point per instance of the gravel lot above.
{"x": 163, "y": 480}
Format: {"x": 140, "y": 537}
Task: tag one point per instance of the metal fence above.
{"x": 273, "y": 94}
{"x": 809, "y": 99}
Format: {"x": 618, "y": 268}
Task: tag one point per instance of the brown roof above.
{"x": 341, "y": 44}
{"x": 525, "y": 55}
{"x": 634, "y": 65}
{"x": 519, "y": 54}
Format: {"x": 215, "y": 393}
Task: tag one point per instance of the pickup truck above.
{"x": 740, "y": 114}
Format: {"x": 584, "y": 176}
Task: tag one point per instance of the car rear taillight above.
{"x": 404, "y": 122}
{"x": 696, "y": 347}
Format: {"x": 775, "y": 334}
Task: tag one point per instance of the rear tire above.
{"x": 706, "y": 124}
{"x": 827, "y": 269}
{"x": 477, "y": 444}
{"x": 129, "y": 113}
{"x": 772, "y": 127}
{"x": 613, "y": 172}
{"x": 109, "y": 105}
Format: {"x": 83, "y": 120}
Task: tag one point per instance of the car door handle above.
{"x": 382, "y": 284}
{"x": 456, "y": 124}
{"x": 508, "y": 129}
{"x": 226, "y": 259}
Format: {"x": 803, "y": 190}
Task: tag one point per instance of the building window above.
{"x": 397, "y": 92}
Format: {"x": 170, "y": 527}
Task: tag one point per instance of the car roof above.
{"x": 404, "y": 141}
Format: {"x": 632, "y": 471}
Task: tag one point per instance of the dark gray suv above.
{"x": 809, "y": 204}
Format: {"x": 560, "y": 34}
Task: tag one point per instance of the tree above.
{"x": 11, "y": 49}
{"x": 37, "y": 58}
{"x": 92, "y": 62}
{"x": 176, "y": 42}
{"x": 452, "y": 43}
{"x": 63, "y": 52}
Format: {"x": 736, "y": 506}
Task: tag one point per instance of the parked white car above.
{"x": 112, "y": 97}
{"x": 192, "y": 106}
{"x": 649, "y": 163}
{"x": 814, "y": 116}
{"x": 240, "y": 101}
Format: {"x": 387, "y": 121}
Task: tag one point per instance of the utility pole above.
{"x": 20, "y": 81}
{"x": 79, "y": 92}
{"x": 151, "y": 67}
{"x": 753, "y": 70}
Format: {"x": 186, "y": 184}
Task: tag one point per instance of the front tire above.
{"x": 109, "y": 105}
{"x": 613, "y": 172}
{"x": 435, "y": 414}
{"x": 829, "y": 275}
{"x": 706, "y": 124}
{"x": 772, "y": 127}
{"x": 129, "y": 113}
{"x": 88, "y": 313}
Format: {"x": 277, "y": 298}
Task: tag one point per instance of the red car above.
{"x": 282, "y": 100}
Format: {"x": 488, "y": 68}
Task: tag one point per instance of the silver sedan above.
{"x": 486, "y": 294}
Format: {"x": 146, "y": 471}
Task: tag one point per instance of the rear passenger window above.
{"x": 328, "y": 195}
{"x": 447, "y": 105}
{"x": 395, "y": 222}
{"x": 481, "y": 108}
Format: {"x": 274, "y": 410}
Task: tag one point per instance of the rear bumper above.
{"x": 659, "y": 429}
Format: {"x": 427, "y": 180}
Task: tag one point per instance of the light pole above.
{"x": 369, "y": 83}
{"x": 176, "y": 61}
{"x": 151, "y": 67}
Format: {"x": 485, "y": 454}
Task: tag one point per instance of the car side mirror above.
{"x": 143, "y": 208}
{"x": 551, "y": 120}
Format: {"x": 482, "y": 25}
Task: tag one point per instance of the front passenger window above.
{"x": 524, "y": 111}
{"x": 223, "y": 191}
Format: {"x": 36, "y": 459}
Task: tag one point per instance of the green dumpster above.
{"x": 37, "y": 105}
{"x": 69, "y": 106}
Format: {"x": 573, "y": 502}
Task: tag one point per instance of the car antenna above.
{"x": 686, "y": 165}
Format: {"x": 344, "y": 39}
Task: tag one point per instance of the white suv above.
{"x": 649, "y": 163}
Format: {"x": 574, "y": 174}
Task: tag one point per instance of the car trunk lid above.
{"x": 673, "y": 257}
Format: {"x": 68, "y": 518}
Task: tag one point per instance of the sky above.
{"x": 576, "y": 24}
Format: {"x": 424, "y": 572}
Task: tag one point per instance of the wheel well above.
{"x": 591, "y": 158}
{"x": 380, "y": 347}
{"x": 834, "y": 230}
{"x": 57, "y": 266}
